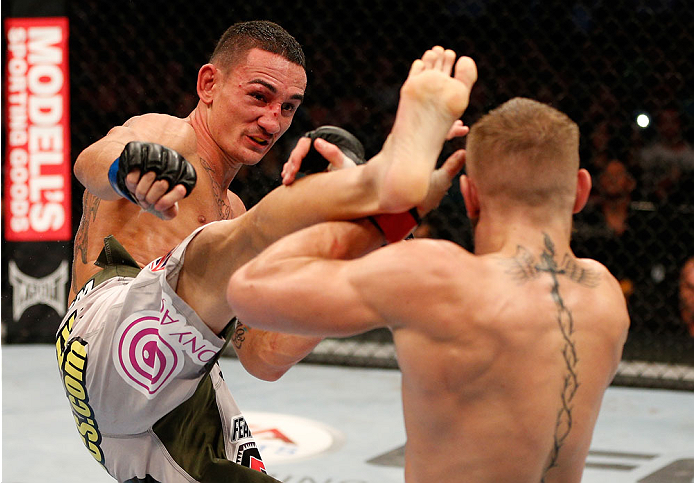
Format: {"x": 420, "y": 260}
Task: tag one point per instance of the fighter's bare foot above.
{"x": 431, "y": 100}
{"x": 430, "y": 82}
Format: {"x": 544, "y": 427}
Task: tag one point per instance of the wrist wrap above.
{"x": 113, "y": 179}
{"x": 396, "y": 226}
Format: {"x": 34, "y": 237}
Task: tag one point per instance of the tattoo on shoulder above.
{"x": 220, "y": 193}
{"x": 90, "y": 206}
{"x": 239, "y": 335}
{"x": 525, "y": 266}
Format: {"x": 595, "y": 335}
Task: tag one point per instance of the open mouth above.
{"x": 259, "y": 140}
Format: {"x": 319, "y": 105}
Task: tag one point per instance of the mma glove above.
{"x": 393, "y": 226}
{"x": 313, "y": 162}
{"x": 166, "y": 163}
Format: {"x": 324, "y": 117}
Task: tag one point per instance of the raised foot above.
{"x": 430, "y": 82}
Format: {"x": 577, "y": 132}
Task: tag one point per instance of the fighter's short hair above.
{"x": 241, "y": 37}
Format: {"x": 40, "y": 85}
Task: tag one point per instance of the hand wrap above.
{"x": 314, "y": 162}
{"x": 166, "y": 163}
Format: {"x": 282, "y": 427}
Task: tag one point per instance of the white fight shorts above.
{"x": 140, "y": 371}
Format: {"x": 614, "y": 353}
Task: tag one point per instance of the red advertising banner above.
{"x": 37, "y": 196}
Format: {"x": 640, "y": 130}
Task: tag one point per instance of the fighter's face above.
{"x": 254, "y": 104}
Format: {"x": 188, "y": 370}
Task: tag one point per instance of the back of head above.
{"x": 241, "y": 37}
{"x": 525, "y": 152}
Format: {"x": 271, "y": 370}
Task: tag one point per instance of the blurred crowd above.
{"x": 598, "y": 62}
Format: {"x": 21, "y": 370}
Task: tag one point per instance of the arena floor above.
{"x": 324, "y": 424}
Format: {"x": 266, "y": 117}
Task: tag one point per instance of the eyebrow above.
{"x": 273, "y": 89}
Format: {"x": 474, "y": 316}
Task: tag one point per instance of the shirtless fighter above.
{"x": 505, "y": 353}
{"x": 138, "y": 347}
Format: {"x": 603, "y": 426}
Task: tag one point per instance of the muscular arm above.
{"x": 268, "y": 355}
{"x": 92, "y": 164}
{"x": 315, "y": 282}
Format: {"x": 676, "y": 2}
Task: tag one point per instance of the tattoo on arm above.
{"x": 90, "y": 206}
{"x": 239, "y": 335}
{"x": 524, "y": 267}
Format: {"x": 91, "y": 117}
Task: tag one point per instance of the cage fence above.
{"x": 602, "y": 63}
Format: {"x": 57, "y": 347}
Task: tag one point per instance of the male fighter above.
{"x": 138, "y": 348}
{"x": 505, "y": 353}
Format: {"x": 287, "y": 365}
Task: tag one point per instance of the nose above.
{"x": 270, "y": 119}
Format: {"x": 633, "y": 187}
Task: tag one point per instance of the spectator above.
{"x": 635, "y": 242}
{"x": 668, "y": 159}
{"x": 686, "y": 292}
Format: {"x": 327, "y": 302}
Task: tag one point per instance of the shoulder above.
{"x": 170, "y": 131}
{"x": 609, "y": 297}
{"x": 596, "y": 272}
{"x": 429, "y": 265}
{"x": 434, "y": 250}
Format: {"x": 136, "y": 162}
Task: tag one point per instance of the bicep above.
{"x": 326, "y": 297}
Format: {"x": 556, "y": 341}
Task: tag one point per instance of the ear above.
{"x": 583, "y": 185}
{"x": 208, "y": 75}
{"x": 469, "y": 192}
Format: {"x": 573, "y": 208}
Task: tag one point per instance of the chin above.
{"x": 252, "y": 158}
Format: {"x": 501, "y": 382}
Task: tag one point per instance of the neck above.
{"x": 503, "y": 234}
{"x": 221, "y": 167}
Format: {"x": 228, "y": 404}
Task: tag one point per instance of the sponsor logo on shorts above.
{"x": 248, "y": 455}
{"x": 72, "y": 361}
{"x": 150, "y": 348}
{"x": 239, "y": 429}
{"x": 160, "y": 263}
{"x": 84, "y": 291}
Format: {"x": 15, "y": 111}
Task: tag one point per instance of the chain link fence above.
{"x": 601, "y": 62}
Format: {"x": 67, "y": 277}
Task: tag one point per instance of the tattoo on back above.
{"x": 90, "y": 205}
{"x": 523, "y": 267}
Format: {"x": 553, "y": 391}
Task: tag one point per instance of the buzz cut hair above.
{"x": 241, "y": 37}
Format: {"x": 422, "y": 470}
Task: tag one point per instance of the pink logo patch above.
{"x": 145, "y": 360}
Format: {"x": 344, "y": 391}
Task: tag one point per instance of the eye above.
{"x": 258, "y": 96}
{"x": 288, "y": 107}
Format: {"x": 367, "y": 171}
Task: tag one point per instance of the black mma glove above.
{"x": 164, "y": 162}
{"x": 314, "y": 162}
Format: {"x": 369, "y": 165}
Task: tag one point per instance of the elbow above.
{"x": 261, "y": 365}
{"x": 79, "y": 168}
{"x": 269, "y": 375}
{"x": 265, "y": 373}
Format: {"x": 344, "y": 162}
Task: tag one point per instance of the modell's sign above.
{"x": 37, "y": 162}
